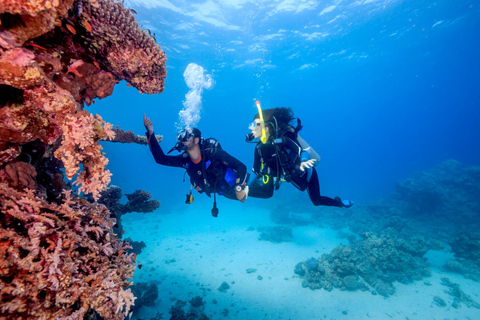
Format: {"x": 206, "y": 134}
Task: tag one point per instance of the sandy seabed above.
{"x": 191, "y": 254}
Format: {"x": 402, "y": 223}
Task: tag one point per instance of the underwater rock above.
{"x": 385, "y": 289}
{"x": 276, "y": 234}
{"x": 439, "y": 301}
{"x": 195, "y": 312}
{"x": 224, "y": 287}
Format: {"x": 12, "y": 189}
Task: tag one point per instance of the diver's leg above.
{"x": 230, "y": 194}
{"x": 258, "y": 189}
{"x": 314, "y": 193}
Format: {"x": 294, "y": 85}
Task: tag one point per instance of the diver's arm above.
{"x": 255, "y": 169}
{"x": 305, "y": 162}
{"x": 160, "y": 157}
{"x": 232, "y": 162}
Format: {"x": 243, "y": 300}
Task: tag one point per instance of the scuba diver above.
{"x": 279, "y": 156}
{"x": 211, "y": 169}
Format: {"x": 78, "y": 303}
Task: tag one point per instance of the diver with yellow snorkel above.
{"x": 280, "y": 156}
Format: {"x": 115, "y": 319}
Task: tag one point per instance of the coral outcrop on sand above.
{"x": 375, "y": 263}
{"x": 59, "y": 255}
{"x": 466, "y": 248}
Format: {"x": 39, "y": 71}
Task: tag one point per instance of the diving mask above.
{"x": 252, "y": 125}
{"x": 184, "y": 135}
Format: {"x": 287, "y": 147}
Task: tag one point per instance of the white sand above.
{"x": 209, "y": 251}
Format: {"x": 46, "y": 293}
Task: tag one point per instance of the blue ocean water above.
{"x": 384, "y": 89}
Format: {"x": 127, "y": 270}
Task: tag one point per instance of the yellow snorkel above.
{"x": 263, "y": 138}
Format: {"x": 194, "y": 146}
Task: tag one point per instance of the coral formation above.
{"x": 450, "y": 191}
{"x": 19, "y": 174}
{"x": 146, "y": 294}
{"x": 130, "y": 137}
{"x": 59, "y": 255}
{"x": 137, "y": 202}
{"x": 466, "y": 248}
{"x": 61, "y": 260}
{"x": 377, "y": 260}
{"x": 458, "y": 295}
{"x": 56, "y": 59}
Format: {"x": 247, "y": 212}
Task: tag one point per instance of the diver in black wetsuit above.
{"x": 211, "y": 169}
{"x": 281, "y": 158}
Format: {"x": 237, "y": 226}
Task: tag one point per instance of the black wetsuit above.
{"x": 282, "y": 160}
{"x": 215, "y": 173}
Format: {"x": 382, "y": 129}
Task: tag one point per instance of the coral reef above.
{"x": 59, "y": 255}
{"x": 54, "y": 58}
{"x": 466, "y": 248}
{"x": 61, "y": 260}
{"x": 450, "y": 191}
{"x": 377, "y": 260}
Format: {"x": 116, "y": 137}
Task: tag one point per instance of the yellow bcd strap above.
{"x": 265, "y": 177}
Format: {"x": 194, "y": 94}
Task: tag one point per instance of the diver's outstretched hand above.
{"x": 242, "y": 195}
{"x": 307, "y": 164}
{"x": 148, "y": 124}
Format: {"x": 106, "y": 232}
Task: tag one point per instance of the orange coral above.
{"x": 59, "y": 261}
{"x": 80, "y": 145}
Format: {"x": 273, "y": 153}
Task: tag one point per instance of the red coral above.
{"x": 61, "y": 261}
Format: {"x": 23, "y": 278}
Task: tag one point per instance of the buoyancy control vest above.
{"x": 217, "y": 176}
